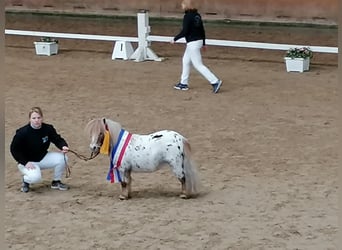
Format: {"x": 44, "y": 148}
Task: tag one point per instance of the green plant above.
{"x": 48, "y": 40}
{"x": 303, "y": 52}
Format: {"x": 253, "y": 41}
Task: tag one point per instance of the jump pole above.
{"x": 123, "y": 48}
{"x": 144, "y": 52}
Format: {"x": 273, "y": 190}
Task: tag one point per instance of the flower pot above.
{"x": 46, "y": 48}
{"x": 297, "y": 64}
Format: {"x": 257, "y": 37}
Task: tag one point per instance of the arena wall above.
{"x": 297, "y": 11}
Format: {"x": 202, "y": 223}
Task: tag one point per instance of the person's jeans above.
{"x": 56, "y": 160}
{"x": 192, "y": 54}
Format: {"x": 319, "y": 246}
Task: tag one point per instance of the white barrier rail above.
{"x": 254, "y": 45}
{"x": 150, "y": 38}
{"x": 70, "y": 35}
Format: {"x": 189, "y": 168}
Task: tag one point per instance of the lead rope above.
{"x": 67, "y": 168}
{"x": 82, "y": 157}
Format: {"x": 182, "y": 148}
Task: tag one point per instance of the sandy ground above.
{"x": 266, "y": 145}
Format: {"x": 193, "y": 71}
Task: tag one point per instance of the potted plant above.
{"x": 46, "y": 46}
{"x": 298, "y": 59}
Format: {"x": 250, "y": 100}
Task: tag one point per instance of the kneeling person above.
{"x": 29, "y": 148}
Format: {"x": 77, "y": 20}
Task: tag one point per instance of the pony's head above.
{"x": 96, "y": 129}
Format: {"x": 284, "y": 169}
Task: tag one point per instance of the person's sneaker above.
{"x": 59, "y": 185}
{"x": 217, "y": 86}
{"x": 181, "y": 86}
{"x": 25, "y": 187}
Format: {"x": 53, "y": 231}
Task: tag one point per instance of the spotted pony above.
{"x": 143, "y": 153}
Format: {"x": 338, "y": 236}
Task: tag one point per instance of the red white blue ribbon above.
{"x": 117, "y": 155}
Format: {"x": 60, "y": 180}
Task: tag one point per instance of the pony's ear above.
{"x": 105, "y": 123}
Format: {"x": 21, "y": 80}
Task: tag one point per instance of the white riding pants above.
{"x": 54, "y": 160}
{"x": 192, "y": 54}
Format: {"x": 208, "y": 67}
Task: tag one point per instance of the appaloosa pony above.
{"x": 142, "y": 153}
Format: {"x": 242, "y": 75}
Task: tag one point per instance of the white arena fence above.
{"x": 143, "y": 52}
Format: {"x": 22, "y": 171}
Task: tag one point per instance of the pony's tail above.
{"x": 192, "y": 181}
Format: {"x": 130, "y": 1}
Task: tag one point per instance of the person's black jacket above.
{"x": 31, "y": 144}
{"x": 193, "y": 29}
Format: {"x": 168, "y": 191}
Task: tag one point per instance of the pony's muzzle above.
{"x": 94, "y": 148}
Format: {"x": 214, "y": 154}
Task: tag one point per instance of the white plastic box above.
{"x": 46, "y": 48}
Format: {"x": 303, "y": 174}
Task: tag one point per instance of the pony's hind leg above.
{"x": 183, "y": 194}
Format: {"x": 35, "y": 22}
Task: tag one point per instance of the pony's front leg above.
{"x": 124, "y": 191}
{"x": 129, "y": 184}
{"x": 126, "y": 186}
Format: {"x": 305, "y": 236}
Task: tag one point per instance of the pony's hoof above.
{"x": 183, "y": 196}
{"x": 122, "y": 197}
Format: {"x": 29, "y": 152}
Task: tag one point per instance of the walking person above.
{"x": 29, "y": 148}
{"x": 194, "y": 34}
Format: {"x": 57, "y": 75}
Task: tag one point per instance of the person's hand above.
{"x": 204, "y": 48}
{"x": 172, "y": 41}
{"x": 30, "y": 165}
{"x": 65, "y": 149}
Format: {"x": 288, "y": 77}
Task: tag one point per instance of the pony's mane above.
{"x": 94, "y": 126}
{"x": 114, "y": 128}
